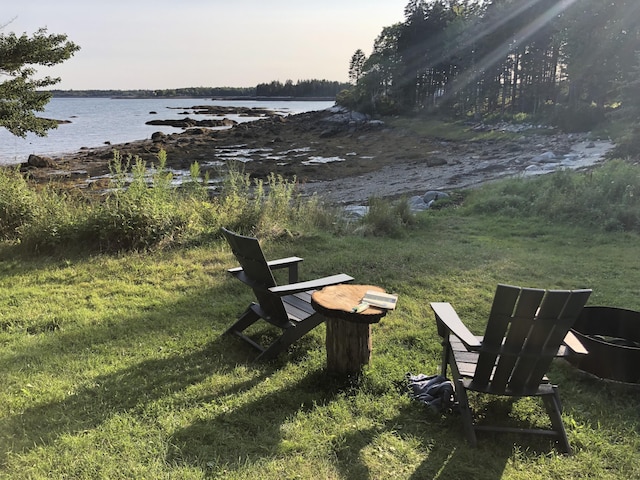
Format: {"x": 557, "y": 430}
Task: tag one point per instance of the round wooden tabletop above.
{"x": 338, "y": 301}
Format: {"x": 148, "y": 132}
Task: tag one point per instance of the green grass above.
{"x": 434, "y": 128}
{"x": 113, "y": 366}
{"x": 443, "y": 129}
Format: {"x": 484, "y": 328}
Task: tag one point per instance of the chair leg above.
{"x": 465, "y": 412}
{"x": 248, "y": 318}
{"x": 446, "y": 354}
{"x": 289, "y": 336}
{"x": 554, "y": 409}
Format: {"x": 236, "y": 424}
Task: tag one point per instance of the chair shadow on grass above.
{"x": 254, "y": 433}
{"x": 247, "y": 429}
{"x": 136, "y": 384}
{"x": 130, "y": 389}
{"x": 445, "y": 452}
{"x": 489, "y": 458}
{"x": 229, "y": 439}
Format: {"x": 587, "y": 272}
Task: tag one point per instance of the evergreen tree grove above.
{"x": 471, "y": 57}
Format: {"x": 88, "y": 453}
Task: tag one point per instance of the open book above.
{"x": 380, "y": 299}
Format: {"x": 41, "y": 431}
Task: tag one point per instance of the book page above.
{"x": 380, "y": 299}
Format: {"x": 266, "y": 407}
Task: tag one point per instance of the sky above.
{"x": 161, "y": 44}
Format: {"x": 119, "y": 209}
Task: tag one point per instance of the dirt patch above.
{"x": 343, "y": 157}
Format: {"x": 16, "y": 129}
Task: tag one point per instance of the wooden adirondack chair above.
{"x": 527, "y": 328}
{"x": 287, "y": 307}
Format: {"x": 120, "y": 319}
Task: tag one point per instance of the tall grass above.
{"x": 139, "y": 213}
{"x": 143, "y": 209}
{"x": 605, "y": 198}
{"x": 269, "y": 207}
{"x": 385, "y": 218}
{"x": 18, "y": 203}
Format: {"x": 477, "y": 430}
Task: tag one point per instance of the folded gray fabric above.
{"x": 435, "y": 391}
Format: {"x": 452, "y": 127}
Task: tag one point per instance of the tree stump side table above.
{"x": 348, "y": 334}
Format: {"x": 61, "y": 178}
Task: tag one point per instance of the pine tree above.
{"x": 629, "y": 113}
{"x": 20, "y": 94}
{"x": 356, "y": 66}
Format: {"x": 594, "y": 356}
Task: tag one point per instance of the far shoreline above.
{"x": 234, "y": 98}
{"x": 222, "y": 99}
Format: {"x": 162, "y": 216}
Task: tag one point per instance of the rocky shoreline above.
{"x": 343, "y": 157}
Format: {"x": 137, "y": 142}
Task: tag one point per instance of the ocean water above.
{"x": 96, "y": 121}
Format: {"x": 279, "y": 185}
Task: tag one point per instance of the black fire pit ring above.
{"x": 612, "y": 337}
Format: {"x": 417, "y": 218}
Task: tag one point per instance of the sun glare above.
{"x": 500, "y": 52}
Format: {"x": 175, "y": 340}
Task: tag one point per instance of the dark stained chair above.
{"x": 527, "y": 328}
{"x": 287, "y": 307}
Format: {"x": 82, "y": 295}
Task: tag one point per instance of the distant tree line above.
{"x": 565, "y": 58}
{"x": 194, "y": 92}
{"x": 301, "y": 89}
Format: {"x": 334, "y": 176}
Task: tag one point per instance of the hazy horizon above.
{"x": 152, "y": 45}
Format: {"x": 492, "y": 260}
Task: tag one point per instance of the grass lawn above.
{"x": 114, "y": 366}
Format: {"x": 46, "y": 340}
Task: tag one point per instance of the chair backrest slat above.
{"x": 573, "y": 305}
{"x": 534, "y": 353}
{"x": 255, "y": 268}
{"x": 519, "y": 328}
{"x": 502, "y": 308}
{"x": 525, "y": 329}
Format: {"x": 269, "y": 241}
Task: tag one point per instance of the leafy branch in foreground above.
{"x": 21, "y": 95}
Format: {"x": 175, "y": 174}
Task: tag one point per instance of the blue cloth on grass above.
{"x": 435, "y": 391}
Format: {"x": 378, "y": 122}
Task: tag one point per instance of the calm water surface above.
{"x": 95, "y": 121}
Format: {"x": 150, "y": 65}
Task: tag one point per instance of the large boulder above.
{"x": 545, "y": 157}
{"x": 158, "y": 137}
{"x": 39, "y": 161}
{"x": 424, "y": 202}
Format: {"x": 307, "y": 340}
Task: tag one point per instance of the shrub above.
{"x": 385, "y": 218}
{"x": 142, "y": 209}
{"x": 18, "y": 203}
{"x": 606, "y": 197}
{"x": 236, "y": 208}
{"x": 268, "y": 208}
{"x": 582, "y": 118}
{"x": 61, "y": 218}
{"x": 628, "y": 143}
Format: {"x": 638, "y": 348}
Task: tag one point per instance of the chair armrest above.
{"x": 284, "y": 262}
{"x": 292, "y": 288}
{"x": 289, "y": 262}
{"x": 447, "y": 316}
{"x": 574, "y": 344}
{"x": 279, "y": 263}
